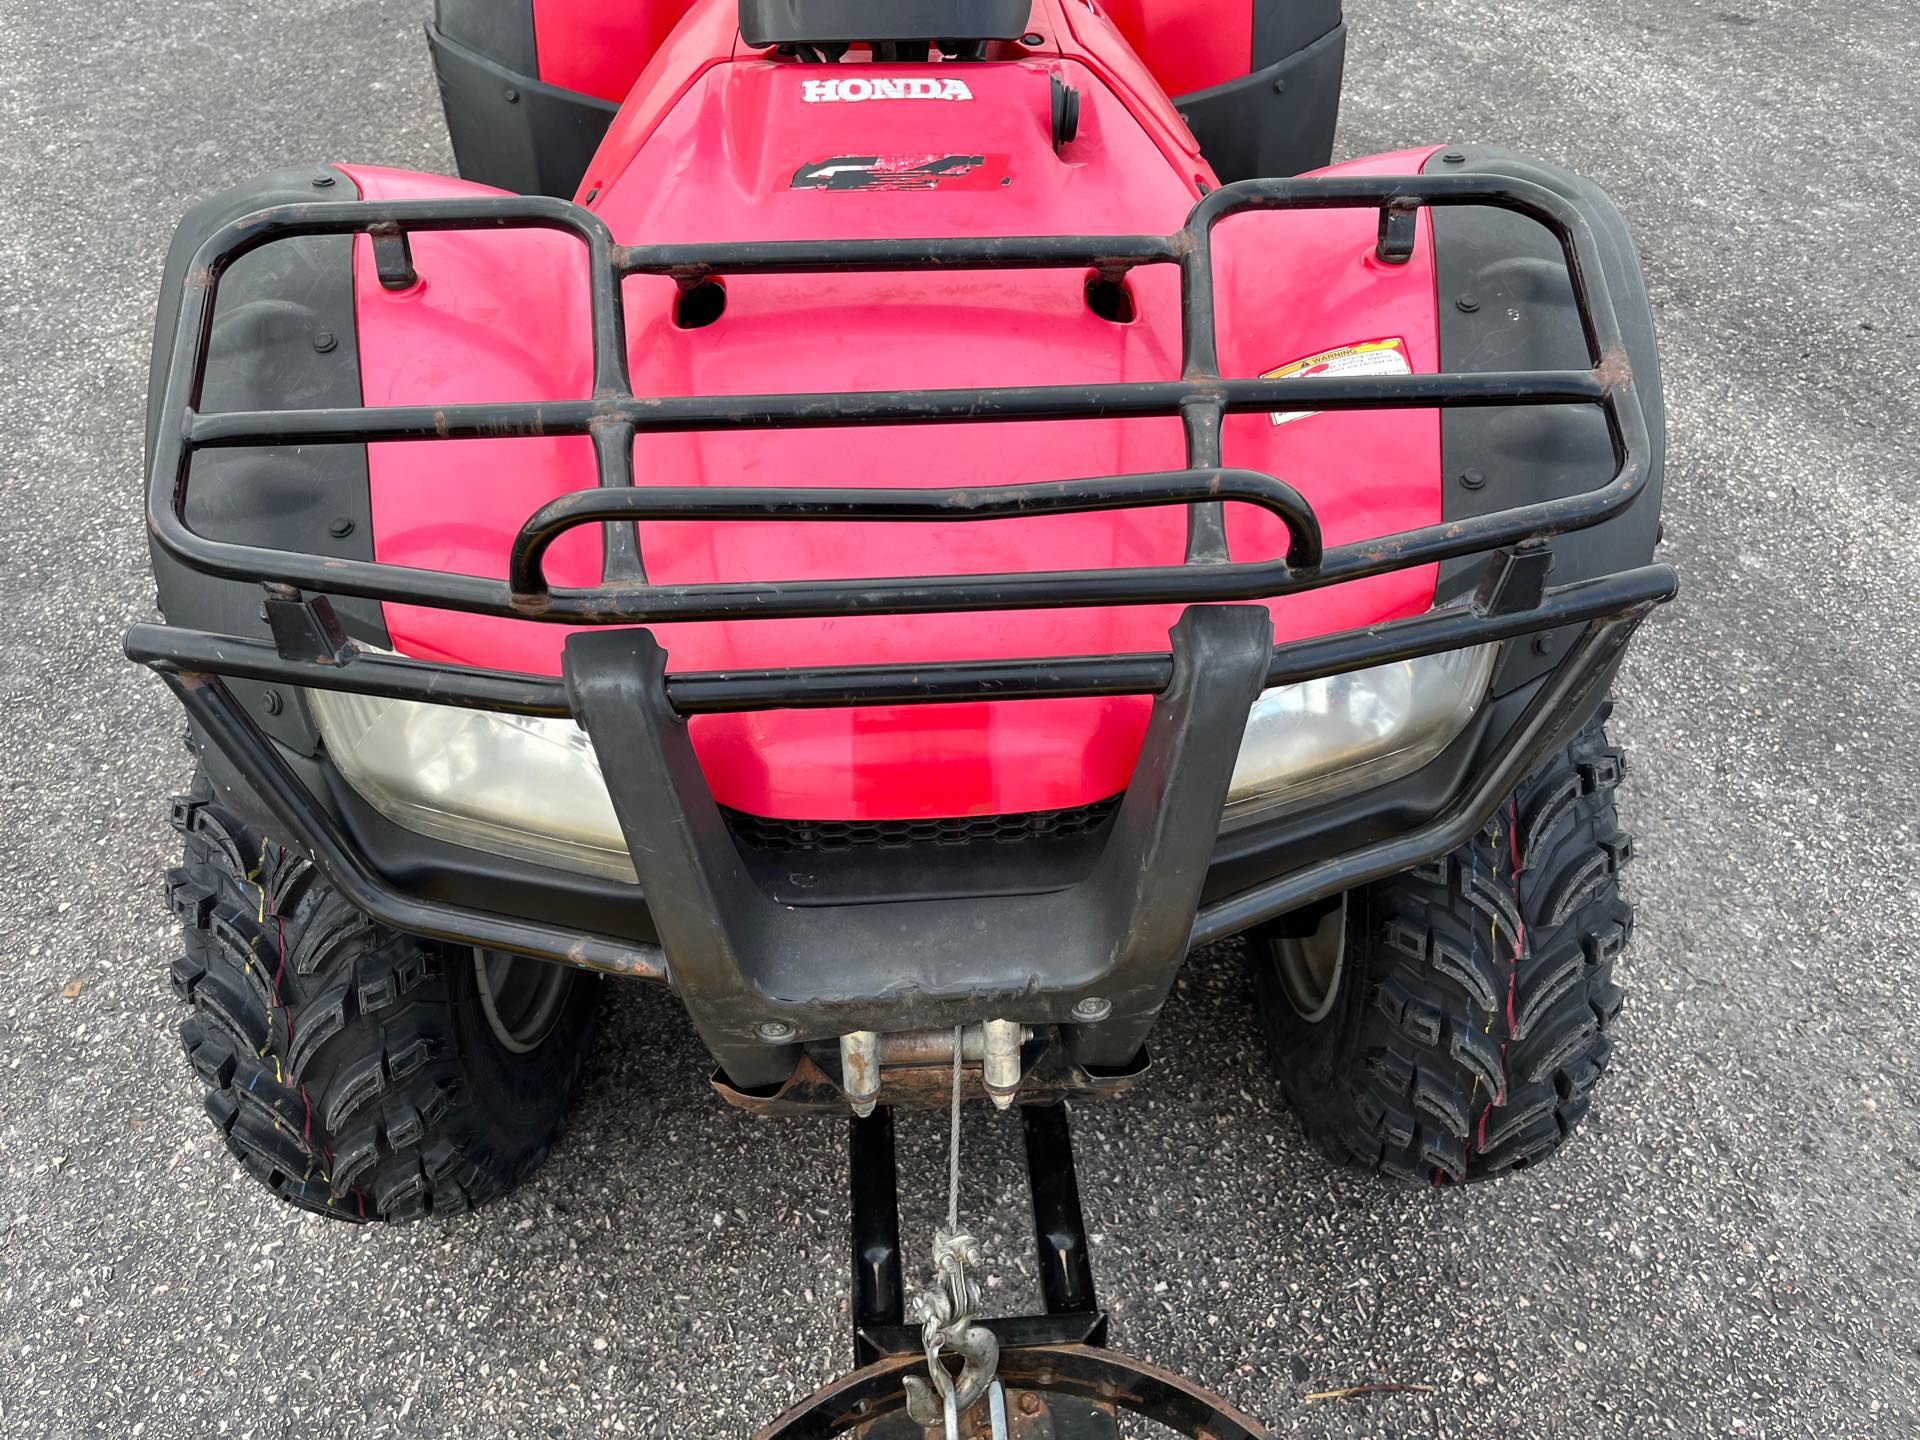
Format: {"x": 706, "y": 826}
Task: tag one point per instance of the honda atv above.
{"x": 929, "y": 534}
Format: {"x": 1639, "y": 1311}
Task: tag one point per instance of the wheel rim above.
{"x": 522, "y": 998}
{"x": 1310, "y": 965}
{"x": 1077, "y": 1371}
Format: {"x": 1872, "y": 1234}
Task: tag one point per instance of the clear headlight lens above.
{"x": 512, "y": 785}
{"x": 1344, "y": 732}
{"x": 531, "y": 788}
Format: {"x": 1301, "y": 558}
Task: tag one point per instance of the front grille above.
{"x": 758, "y": 832}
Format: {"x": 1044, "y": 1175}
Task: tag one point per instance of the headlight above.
{"x": 510, "y": 784}
{"x": 531, "y": 788}
{"x": 1343, "y": 732}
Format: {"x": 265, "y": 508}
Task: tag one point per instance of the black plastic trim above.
{"x": 920, "y": 860}
{"x": 501, "y": 30}
{"x": 1505, "y": 302}
{"x": 509, "y": 128}
{"x": 427, "y": 868}
{"x": 1279, "y": 120}
{"x": 1282, "y": 28}
{"x": 283, "y": 333}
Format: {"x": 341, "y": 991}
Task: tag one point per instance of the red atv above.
{"x": 902, "y": 556}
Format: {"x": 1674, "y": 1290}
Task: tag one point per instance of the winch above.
{"x": 1047, "y": 1376}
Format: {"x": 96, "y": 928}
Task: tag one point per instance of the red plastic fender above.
{"x": 501, "y": 315}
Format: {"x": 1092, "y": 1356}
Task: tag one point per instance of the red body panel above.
{"x": 502, "y": 316}
{"x": 1189, "y": 44}
{"x": 1095, "y": 43}
{"x": 598, "y": 48}
{"x": 1186, "y": 45}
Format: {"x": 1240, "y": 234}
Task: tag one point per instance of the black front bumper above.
{"x": 742, "y": 961}
{"x": 1097, "y": 956}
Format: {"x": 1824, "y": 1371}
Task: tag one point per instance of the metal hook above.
{"x": 980, "y": 1352}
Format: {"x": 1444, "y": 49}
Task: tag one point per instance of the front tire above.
{"x": 1464, "y": 1016}
{"x": 354, "y": 1070}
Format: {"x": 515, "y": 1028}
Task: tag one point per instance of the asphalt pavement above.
{"x": 1729, "y": 1249}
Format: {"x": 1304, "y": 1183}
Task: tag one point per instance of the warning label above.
{"x": 1368, "y": 357}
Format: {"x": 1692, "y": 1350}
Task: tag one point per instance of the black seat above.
{"x": 840, "y": 22}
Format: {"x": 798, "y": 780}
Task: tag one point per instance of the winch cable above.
{"x": 945, "y": 1308}
{"x": 953, "y": 1138}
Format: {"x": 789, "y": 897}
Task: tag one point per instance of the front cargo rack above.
{"x": 310, "y": 650}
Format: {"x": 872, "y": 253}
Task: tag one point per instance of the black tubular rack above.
{"x": 309, "y": 650}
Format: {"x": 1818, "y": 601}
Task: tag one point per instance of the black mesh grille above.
{"x": 760, "y": 833}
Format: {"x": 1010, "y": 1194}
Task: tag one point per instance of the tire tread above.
{"x": 1479, "y": 990}
{"x": 329, "y": 1045}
